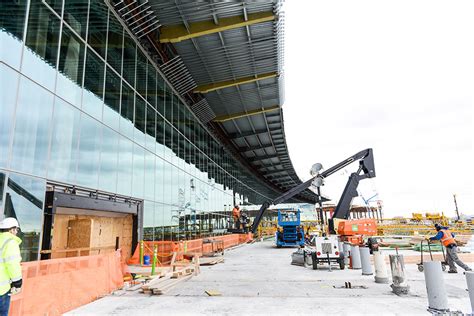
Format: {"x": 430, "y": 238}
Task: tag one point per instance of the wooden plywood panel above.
{"x": 80, "y": 234}
{"x": 60, "y": 234}
{"x": 89, "y": 231}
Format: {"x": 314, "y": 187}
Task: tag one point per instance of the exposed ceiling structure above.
{"x": 227, "y": 61}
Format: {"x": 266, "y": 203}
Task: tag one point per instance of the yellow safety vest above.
{"x": 10, "y": 258}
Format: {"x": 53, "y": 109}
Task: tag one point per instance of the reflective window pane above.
{"x": 138, "y": 171}
{"x": 115, "y": 44}
{"x": 32, "y": 126}
{"x": 148, "y": 220}
{"x": 129, "y": 51}
{"x": 24, "y": 201}
{"x": 139, "y": 132}
{"x": 8, "y": 87}
{"x": 108, "y": 160}
{"x": 94, "y": 85}
{"x": 126, "y": 111}
{"x": 42, "y": 41}
{"x": 150, "y": 128}
{"x": 12, "y": 21}
{"x": 71, "y": 67}
{"x": 97, "y": 36}
{"x": 56, "y": 5}
{"x": 149, "y": 175}
{"x": 64, "y": 141}
{"x": 112, "y": 99}
{"x": 75, "y": 14}
{"x": 141, "y": 73}
{"x": 124, "y": 170}
{"x": 89, "y": 150}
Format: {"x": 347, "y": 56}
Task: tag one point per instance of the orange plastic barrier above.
{"x": 166, "y": 248}
{"x": 52, "y": 287}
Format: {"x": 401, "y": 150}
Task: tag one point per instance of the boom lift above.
{"x": 366, "y": 170}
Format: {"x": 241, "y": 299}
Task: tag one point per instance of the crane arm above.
{"x": 366, "y": 165}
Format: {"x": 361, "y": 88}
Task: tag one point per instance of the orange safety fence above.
{"x": 165, "y": 249}
{"x": 53, "y": 287}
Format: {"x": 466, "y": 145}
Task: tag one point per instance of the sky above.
{"x": 395, "y": 76}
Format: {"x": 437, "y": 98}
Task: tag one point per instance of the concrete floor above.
{"x": 258, "y": 279}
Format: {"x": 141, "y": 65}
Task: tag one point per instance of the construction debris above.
{"x": 213, "y": 293}
{"x": 208, "y": 261}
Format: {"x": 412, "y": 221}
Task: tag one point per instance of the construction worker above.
{"x": 10, "y": 258}
{"x": 447, "y": 239}
{"x": 236, "y": 216}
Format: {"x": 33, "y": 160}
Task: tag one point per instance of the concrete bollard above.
{"x": 347, "y": 251}
{"x": 470, "y": 288}
{"x": 355, "y": 257}
{"x": 437, "y": 298}
{"x": 381, "y": 274}
{"x": 365, "y": 260}
{"x": 397, "y": 266}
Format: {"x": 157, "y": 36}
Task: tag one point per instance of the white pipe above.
{"x": 365, "y": 260}
{"x": 381, "y": 274}
{"x": 347, "y": 251}
{"x": 355, "y": 257}
{"x": 470, "y": 288}
{"x": 437, "y": 298}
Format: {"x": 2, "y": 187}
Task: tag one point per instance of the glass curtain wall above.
{"x": 82, "y": 104}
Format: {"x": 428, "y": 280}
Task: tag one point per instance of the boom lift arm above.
{"x": 366, "y": 165}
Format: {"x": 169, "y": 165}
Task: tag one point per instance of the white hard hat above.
{"x": 8, "y": 223}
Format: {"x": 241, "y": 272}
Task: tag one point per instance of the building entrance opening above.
{"x": 79, "y": 222}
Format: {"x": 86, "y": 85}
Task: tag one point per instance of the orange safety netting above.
{"x": 52, "y": 287}
{"x": 165, "y": 249}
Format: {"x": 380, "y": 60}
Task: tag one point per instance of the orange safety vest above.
{"x": 236, "y": 212}
{"x": 447, "y": 238}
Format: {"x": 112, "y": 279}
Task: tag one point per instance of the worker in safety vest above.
{"x": 447, "y": 239}
{"x": 236, "y": 216}
{"x": 10, "y": 258}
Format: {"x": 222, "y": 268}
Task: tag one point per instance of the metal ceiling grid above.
{"x": 236, "y": 58}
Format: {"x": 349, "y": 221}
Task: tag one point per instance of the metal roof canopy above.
{"x": 230, "y": 65}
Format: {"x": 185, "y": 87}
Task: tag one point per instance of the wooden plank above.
{"x": 213, "y": 293}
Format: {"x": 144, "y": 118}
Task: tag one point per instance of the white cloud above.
{"x": 394, "y": 76}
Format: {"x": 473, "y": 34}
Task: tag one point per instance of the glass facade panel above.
{"x": 124, "y": 167}
{"x": 108, "y": 160}
{"x": 138, "y": 171}
{"x": 126, "y": 111}
{"x": 64, "y": 142}
{"x": 140, "y": 122}
{"x": 97, "y": 36}
{"x": 129, "y": 59}
{"x": 32, "y": 126}
{"x": 71, "y": 67}
{"x": 87, "y": 107}
{"x": 111, "y": 115}
{"x": 89, "y": 152}
{"x": 42, "y": 41}
{"x": 75, "y": 14}
{"x": 115, "y": 44}
{"x": 24, "y": 201}
{"x": 150, "y": 128}
{"x": 92, "y": 98}
{"x": 12, "y": 24}
{"x": 8, "y": 89}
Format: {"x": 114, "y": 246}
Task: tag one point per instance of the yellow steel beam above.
{"x": 231, "y": 83}
{"x": 178, "y": 33}
{"x": 224, "y": 118}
